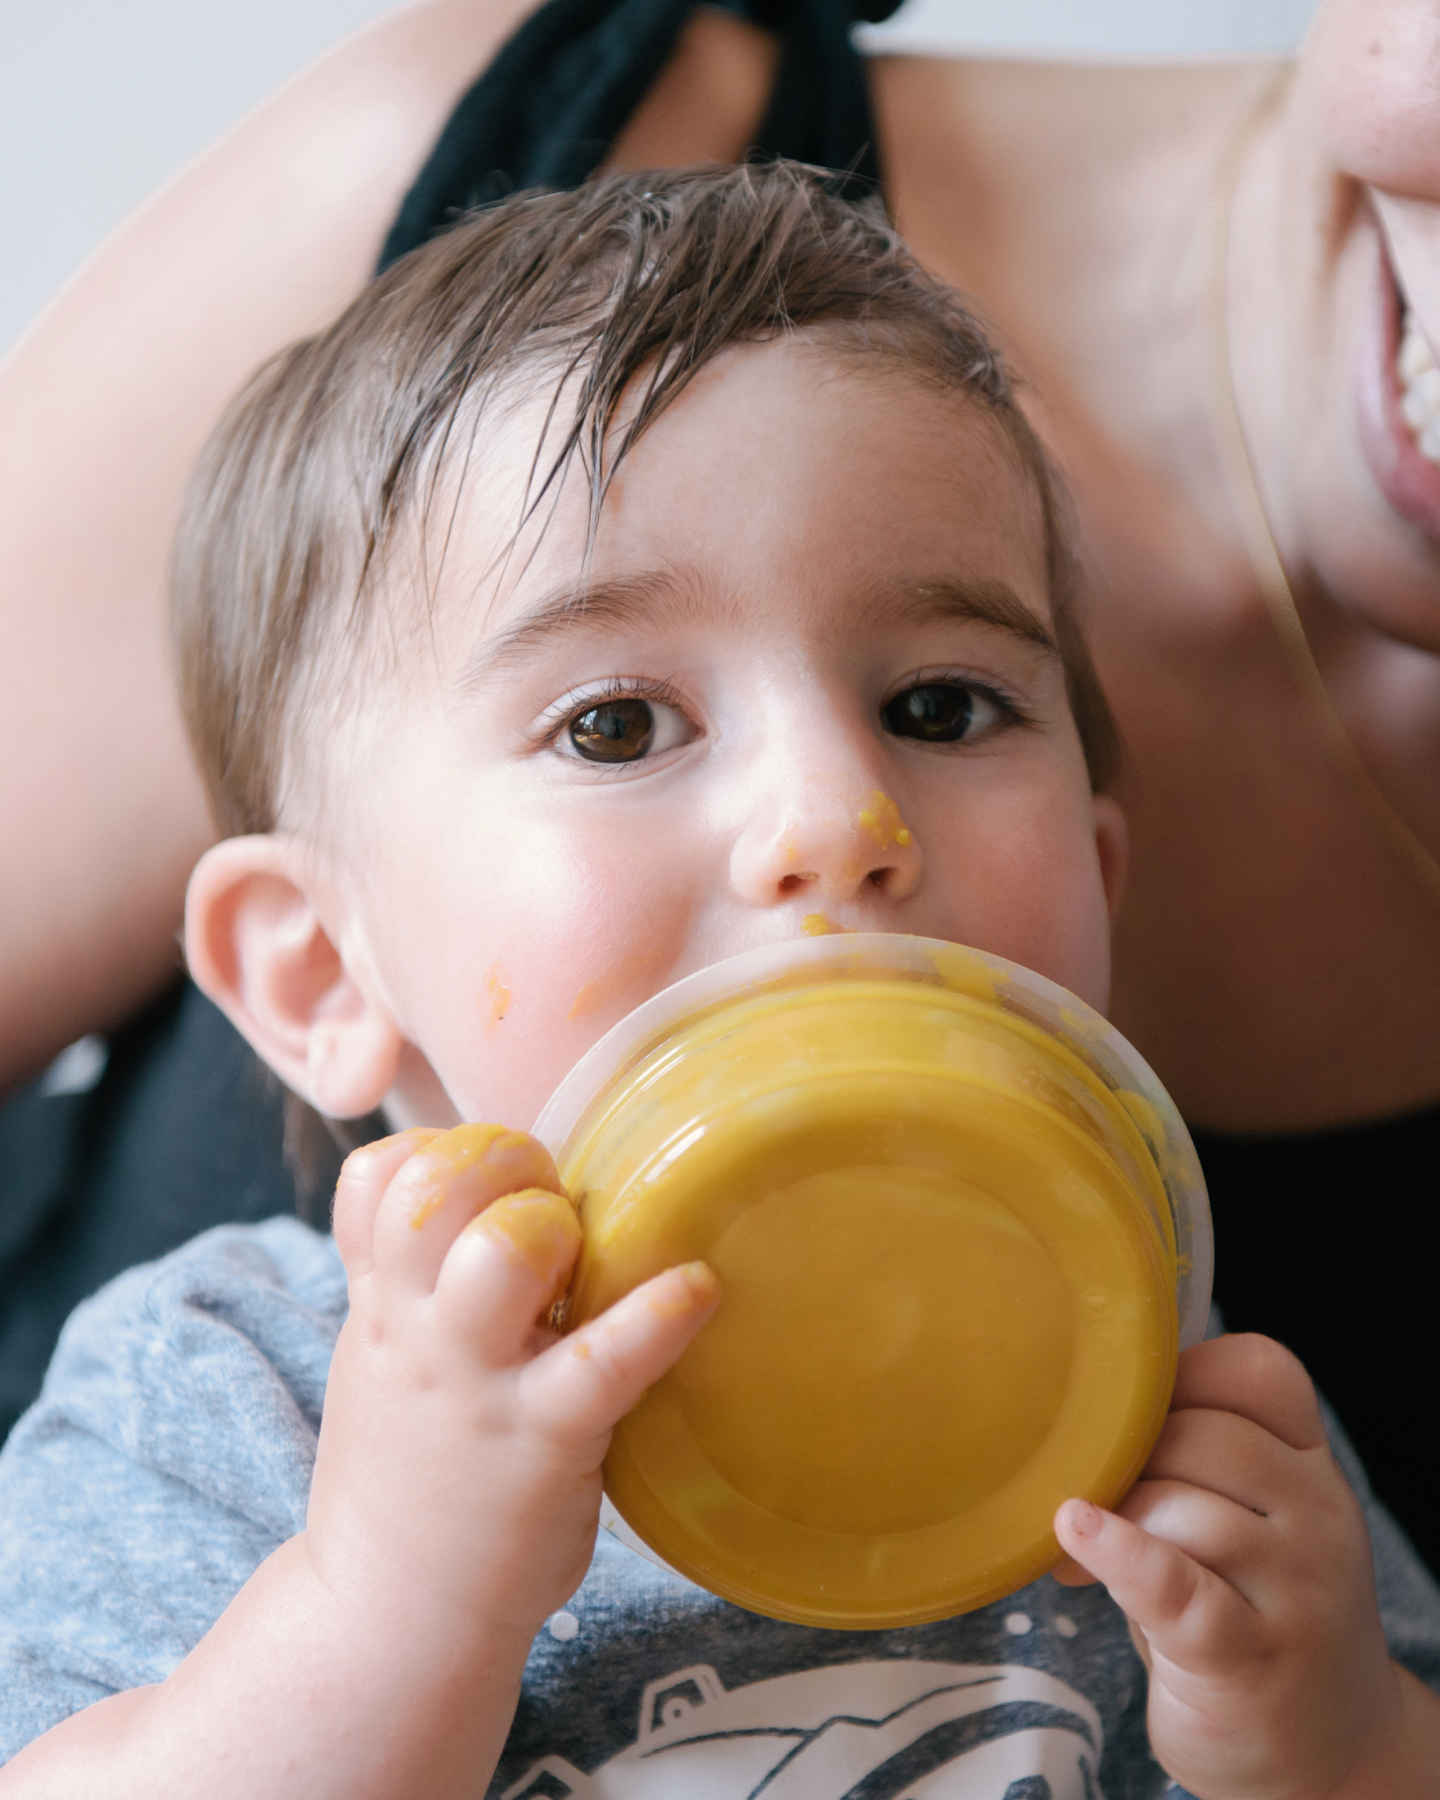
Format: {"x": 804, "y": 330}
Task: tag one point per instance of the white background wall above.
{"x": 102, "y": 100}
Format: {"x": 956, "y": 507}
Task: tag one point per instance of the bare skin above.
{"x": 1275, "y": 961}
{"x": 1256, "y": 871}
{"x": 105, "y": 406}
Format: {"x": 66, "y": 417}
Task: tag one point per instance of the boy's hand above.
{"x": 1242, "y": 1561}
{"x": 379, "y": 1653}
{"x": 458, "y": 1471}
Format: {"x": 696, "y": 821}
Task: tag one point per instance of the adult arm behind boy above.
{"x": 454, "y": 1502}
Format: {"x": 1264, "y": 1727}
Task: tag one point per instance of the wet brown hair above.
{"x": 331, "y": 459}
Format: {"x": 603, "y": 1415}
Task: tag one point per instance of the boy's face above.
{"x": 811, "y": 686}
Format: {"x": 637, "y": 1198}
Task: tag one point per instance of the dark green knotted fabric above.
{"x": 547, "y": 110}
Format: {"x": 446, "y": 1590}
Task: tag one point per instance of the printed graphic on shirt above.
{"x": 889, "y": 1730}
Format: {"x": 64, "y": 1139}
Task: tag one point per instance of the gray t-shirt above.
{"x": 171, "y": 1451}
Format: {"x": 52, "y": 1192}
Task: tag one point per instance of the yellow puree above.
{"x": 948, "y": 1282}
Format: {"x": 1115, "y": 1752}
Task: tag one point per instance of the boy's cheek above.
{"x": 508, "y": 1015}
{"x": 1025, "y": 883}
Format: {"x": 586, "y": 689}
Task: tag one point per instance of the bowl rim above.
{"x": 1013, "y": 988}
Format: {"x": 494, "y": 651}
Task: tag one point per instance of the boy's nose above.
{"x": 834, "y": 847}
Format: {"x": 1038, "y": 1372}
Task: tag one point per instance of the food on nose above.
{"x": 817, "y": 925}
{"x": 880, "y": 818}
{"x": 1419, "y": 388}
{"x": 948, "y": 1268}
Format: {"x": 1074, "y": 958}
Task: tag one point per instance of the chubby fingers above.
{"x": 365, "y": 1175}
{"x": 1187, "y": 1613}
{"x": 1244, "y": 1444}
{"x": 1257, "y": 1379}
{"x": 505, "y": 1270}
{"x": 583, "y": 1386}
{"x": 435, "y": 1193}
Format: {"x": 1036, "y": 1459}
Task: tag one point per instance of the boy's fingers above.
{"x": 506, "y": 1269}
{"x": 1167, "y": 1594}
{"x": 365, "y": 1175}
{"x": 1256, "y": 1378}
{"x": 583, "y": 1386}
{"x": 1230, "y": 1540}
{"x": 433, "y": 1196}
{"x": 1227, "y": 1455}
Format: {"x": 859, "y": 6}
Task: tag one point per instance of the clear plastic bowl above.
{"x": 962, "y": 1235}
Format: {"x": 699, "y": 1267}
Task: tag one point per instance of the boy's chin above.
{"x": 418, "y": 1097}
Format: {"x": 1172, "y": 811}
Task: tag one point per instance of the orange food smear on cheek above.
{"x": 588, "y": 1000}
{"x": 613, "y": 986}
{"x": 499, "y": 997}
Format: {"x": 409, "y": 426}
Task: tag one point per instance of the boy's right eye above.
{"x": 615, "y": 731}
{"x": 624, "y": 723}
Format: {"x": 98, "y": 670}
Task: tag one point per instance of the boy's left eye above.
{"x": 943, "y": 712}
{"x": 623, "y": 729}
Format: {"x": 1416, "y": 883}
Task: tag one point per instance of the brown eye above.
{"x": 937, "y": 713}
{"x": 616, "y": 731}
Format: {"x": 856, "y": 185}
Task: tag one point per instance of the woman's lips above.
{"x": 1408, "y": 480}
{"x": 1420, "y": 389}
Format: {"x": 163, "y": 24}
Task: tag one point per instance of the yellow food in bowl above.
{"x": 949, "y": 1277}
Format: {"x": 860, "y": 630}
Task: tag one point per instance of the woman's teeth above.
{"x": 1419, "y": 388}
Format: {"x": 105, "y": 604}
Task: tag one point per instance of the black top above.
{"x": 547, "y": 110}
{"x": 1325, "y": 1241}
{"x": 1330, "y": 1243}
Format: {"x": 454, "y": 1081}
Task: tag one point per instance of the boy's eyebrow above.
{"x": 608, "y": 604}
{"x": 984, "y": 602}
{"x": 623, "y": 600}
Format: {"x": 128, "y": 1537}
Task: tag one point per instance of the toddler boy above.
{"x": 550, "y": 627}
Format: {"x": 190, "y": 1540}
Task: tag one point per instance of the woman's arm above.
{"x": 103, "y": 407}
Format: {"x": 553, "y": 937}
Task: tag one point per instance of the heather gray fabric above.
{"x": 171, "y": 1451}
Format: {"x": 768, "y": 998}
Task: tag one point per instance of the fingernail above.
{"x": 449, "y": 1154}
{"x": 702, "y": 1288}
{"x": 413, "y": 1138}
{"x": 1085, "y": 1520}
{"x": 464, "y": 1145}
{"x": 701, "y": 1279}
{"x": 539, "y": 1229}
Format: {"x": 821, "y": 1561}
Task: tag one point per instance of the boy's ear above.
{"x": 1112, "y": 844}
{"x": 257, "y": 945}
